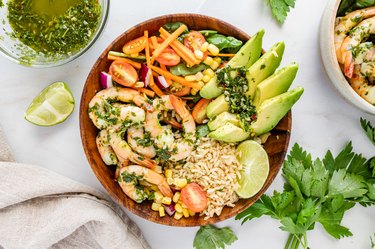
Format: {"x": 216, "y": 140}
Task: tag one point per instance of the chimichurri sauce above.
{"x": 54, "y": 27}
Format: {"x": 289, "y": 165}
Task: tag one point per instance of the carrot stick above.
{"x": 147, "y": 92}
{"x": 133, "y": 63}
{"x": 169, "y": 81}
{"x": 222, "y": 55}
{"x": 154, "y": 42}
{"x": 180, "y": 49}
{"x": 152, "y": 84}
{"x": 178, "y": 79}
{"x": 168, "y": 41}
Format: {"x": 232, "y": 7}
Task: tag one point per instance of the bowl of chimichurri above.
{"x": 47, "y": 33}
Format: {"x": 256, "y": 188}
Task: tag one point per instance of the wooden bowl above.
{"x": 276, "y": 146}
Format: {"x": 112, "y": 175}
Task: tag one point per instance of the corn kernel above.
{"x": 139, "y": 84}
{"x": 194, "y": 91}
{"x": 198, "y": 54}
{"x": 204, "y": 47}
{"x": 176, "y": 197}
{"x": 213, "y": 49}
{"x": 208, "y": 60}
{"x": 158, "y": 197}
{"x": 191, "y": 213}
{"x": 201, "y": 84}
{"x": 199, "y": 76}
{"x": 217, "y": 59}
{"x": 161, "y": 211}
{"x": 168, "y": 173}
{"x": 206, "y": 78}
{"x": 214, "y": 65}
{"x": 178, "y": 215}
{"x": 170, "y": 181}
{"x": 209, "y": 72}
{"x": 166, "y": 200}
{"x": 185, "y": 212}
{"x": 190, "y": 78}
{"x": 180, "y": 182}
{"x": 155, "y": 206}
{"x": 178, "y": 208}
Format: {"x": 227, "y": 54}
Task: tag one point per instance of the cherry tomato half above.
{"x": 135, "y": 46}
{"x": 179, "y": 90}
{"x": 123, "y": 73}
{"x": 194, "y": 40}
{"x": 168, "y": 57}
{"x": 194, "y": 197}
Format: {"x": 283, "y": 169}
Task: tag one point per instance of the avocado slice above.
{"x": 272, "y": 110}
{"x": 229, "y": 133}
{"x": 217, "y": 106}
{"x": 211, "y": 90}
{"x": 223, "y": 118}
{"x": 264, "y": 67}
{"x": 249, "y": 53}
{"x": 276, "y": 84}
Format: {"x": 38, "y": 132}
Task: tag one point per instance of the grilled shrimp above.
{"x": 104, "y": 114}
{"x": 132, "y": 176}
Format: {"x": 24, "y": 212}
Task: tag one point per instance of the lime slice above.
{"x": 254, "y": 160}
{"x": 52, "y": 106}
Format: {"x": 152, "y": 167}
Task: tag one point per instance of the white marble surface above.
{"x": 322, "y": 119}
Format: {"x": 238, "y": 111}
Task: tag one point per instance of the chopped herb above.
{"x": 163, "y": 154}
{"x": 145, "y": 141}
{"x": 234, "y": 84}
{"x": 202, "y": 131}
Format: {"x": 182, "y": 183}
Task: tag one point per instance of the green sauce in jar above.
{"x": 55, "y": 28}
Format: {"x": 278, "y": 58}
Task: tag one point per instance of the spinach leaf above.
{"x": 172, "y": 26}
{"x": 230, "y": 44}
{"x": 182, "y": 70}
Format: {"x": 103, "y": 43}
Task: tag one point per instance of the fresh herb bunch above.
{"x": 317, "y": 191}
{"x": 211, "y": 237}
{"x": 234, "y": 84}
{"x": 280, "y": 8}
{"x": 372, "y": 242}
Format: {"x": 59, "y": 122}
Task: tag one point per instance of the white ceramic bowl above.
{"x": 330, "y": 62}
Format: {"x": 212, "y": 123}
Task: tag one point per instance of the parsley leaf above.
{"x": 317, "y": 191}
{"x": 369, "y": 130}
{"x": 280, "y": 8}
{"x": 211, "y": 237}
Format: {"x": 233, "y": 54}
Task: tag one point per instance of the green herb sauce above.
{"x": 55, "y": 28}
{"x": 234, "y": 83}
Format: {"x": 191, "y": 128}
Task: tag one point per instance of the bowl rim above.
{"x": 283, "y": 129}
{"x": 101, "y": 25}
{"x": 330, "y": 62}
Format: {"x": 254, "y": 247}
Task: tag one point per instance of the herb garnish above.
{"x": 280, "y": 8}
{"x": 317, "y": 191}
{"x": 211, "y": 237}
{"x": 234, "y": 84}
{"x": 369, "y": 130}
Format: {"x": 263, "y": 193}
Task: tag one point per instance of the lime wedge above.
{"x": 254, "y": 160}
{"x": 52, "y": 106}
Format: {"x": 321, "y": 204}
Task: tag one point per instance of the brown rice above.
{"x": 214, "y": 166}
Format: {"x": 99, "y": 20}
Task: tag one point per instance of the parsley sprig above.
{"x": 280, "y": 8}
{"x": 369, "y": 129}
{"x": 317, "y": 191}
{"x": 211, "y": 237}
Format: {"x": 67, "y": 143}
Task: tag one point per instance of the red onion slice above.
{"x": 106, "y": 80}
{"x": 145, "y": 74}
{"x": 169, "y": 209}
{"x": 161, "y": 82}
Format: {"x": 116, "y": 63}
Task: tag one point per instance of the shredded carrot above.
{"x": 167, "y": 42}
{"x": 146, "y": 91}
{"x": 154, "y": 42}
{"x": 180, "y": 49}
{"x": 133, "y": 63}
{"x": 152, "y": 84}
{"x": 169, "y": 81}
{"x": 178, "y": 79}
{"x": 222, "y": 55}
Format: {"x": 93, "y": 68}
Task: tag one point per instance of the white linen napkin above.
{"x": 41, "y": 209}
